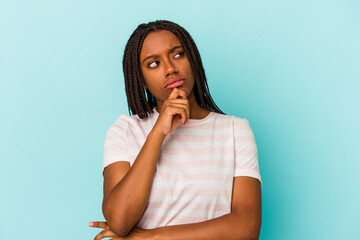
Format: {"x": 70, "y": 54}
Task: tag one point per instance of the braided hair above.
{"x": 142, "y": 105}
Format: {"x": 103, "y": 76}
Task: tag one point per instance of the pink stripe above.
{"x": 207, "y": 125}
{"x": 112, "y": 137}
{"x": 189, "y": 138}
{"x": 210, "y": 125}
{"x": 198, "y": 138}
{"x": 217, "y": 137}
{"x": 114, "y": 147}
{"x": 193, "y": 164}
{"x": 177, "y": 192}
{"x": 175, "y": 220}
{"x": 199, "y": 150}
{"x": 204, "y": 150}
{"x": 245, "y": 152}
{"x": 142, "y": 125}
{"x": 243, "y": 132}
{"x": 194, "y": 177}
{"x": 247, "y": 138}
{"x": 190, "y": 206}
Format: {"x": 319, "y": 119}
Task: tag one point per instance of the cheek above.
{"x": 154, "y": 84}
{"x": 150, "y": 80}
{"x": 190, "y": 72}
{"x": 187, "y": 67}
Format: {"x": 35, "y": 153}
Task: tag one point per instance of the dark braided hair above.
{"x": 142, "y": 105}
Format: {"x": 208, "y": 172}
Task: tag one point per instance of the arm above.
{"x": 243, "y": 222}
{"x": 127, "y": 190}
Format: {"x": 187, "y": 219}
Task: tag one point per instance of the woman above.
{"x": 178, "y": 168}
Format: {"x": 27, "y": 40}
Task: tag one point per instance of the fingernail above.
{"x": 91, "y": 224}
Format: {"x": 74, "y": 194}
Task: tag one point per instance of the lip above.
{"x": 174, "y": 80}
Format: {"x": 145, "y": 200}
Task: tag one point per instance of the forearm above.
{"x": 230, "y": 226}
{"x": 126, "y": 202}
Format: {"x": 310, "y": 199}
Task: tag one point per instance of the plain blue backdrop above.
{"x": 292, "y": 68}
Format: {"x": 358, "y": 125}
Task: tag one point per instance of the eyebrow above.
{"x": 171, "y": 51}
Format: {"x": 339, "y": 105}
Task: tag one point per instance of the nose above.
{"x": 170, "y": 68}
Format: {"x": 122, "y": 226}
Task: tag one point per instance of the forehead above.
{"x": 159, "y": 42}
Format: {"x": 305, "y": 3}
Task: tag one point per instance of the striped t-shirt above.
{"x": 198, "y": 161}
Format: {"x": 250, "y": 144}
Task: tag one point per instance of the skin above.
{"x": 162, "y": 58}
{"x": 123, "y": 207}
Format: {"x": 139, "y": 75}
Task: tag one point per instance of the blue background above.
{"x": 292, "y": 68}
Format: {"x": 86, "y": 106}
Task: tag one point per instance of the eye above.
{"x": 179, "y": 55}
{"x": 153, "y": 64}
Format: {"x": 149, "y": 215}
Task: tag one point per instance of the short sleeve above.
{"x": 246, "y": 155}
{"x": 115, "y": 145}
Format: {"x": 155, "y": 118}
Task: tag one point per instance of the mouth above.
{"x": 176, "y": 82}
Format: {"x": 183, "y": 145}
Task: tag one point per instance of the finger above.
{"x": 177, "y": 93}
{"x": 185, "y": 117}
{"x": 177, "y": 100}
{"x": 184, "y": 102}
{"x": 104, "y": 234}
{"x": 181, "y": 111}
{"x": 98, "y": 224}
{"x": 176, "y": 104}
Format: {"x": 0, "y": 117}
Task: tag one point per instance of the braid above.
{"x": 138, "y": 102}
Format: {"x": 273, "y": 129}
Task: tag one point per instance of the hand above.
{"x": 104, "y": 233}
{"x": 175, "y": 108}
{"x": 135, "y": 234}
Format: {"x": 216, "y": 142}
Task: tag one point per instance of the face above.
{"x": 163, "y": 61}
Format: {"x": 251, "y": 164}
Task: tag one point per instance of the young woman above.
{"x": 177, "y": 167}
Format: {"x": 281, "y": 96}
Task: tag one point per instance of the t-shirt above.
{"x": 198, "y": 161}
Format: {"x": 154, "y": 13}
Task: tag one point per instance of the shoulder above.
{"x": 238, "y": 122}
{"x": 238, "y": 125}
{"x": 122, "y": 122}
{"x": 125, "y": 121}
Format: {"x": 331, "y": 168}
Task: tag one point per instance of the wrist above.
{"x": 153, "y": 234}
{"x": 155, "y": 135}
